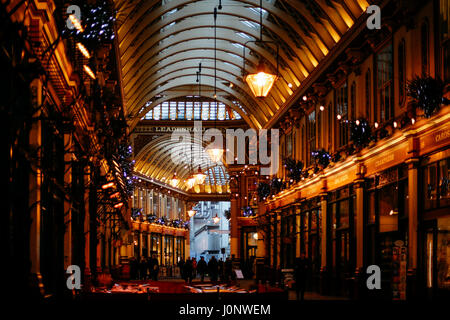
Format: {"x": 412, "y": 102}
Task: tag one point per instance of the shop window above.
{"x": 388, "y": 209}
{"x": 385, "y": 110}
{"x": 401, "y": 72}
{"x": 443, "y": 253}
{"x": 342, "y": 112}
{"x": 436, "y": 185}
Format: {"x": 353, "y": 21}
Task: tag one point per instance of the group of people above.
{"x": 216, "y": 269}
{"x": 144, "y": 269}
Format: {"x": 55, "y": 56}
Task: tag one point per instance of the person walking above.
{"x": 202, "y": 267}
{"x": 188, "y": 271}
{"x": 213, "y": 268}
{"x": 194, "y": 268}
{"x": 154, "y": 267}
{"x": 228, "y": 269}
{"x": 221, "y": 269}
{"x": 181, "y": 267}
{"x": 301, "y": 271}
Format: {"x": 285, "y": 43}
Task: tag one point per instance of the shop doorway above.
{"x": 436, "y": 258}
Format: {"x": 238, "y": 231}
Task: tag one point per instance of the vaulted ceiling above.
{"x": 162, "y": 42}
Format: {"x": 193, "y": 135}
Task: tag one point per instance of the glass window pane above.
{"x": 173, "y": 110}
{"x": 189, "y": 110}
{"x": 157, "y": 112}
{"x": 180, "y": 111}
{"x": 205, "y": 110}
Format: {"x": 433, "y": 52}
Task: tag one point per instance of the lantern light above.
{"x": 322, "y": 108}
{"x": 108, "y": 185}
{"x": 376, "y": 124}
{"x": 339, "y": 117}
{"x": 118, "y": 205}
{"x": 200, "y": 176}
{"x": 89, "y": 71}
{"x": 83, "y": 50}
{"x": 216, "y": 219}
{"x": 215, "y": 154}
{"x": 174, "y": 181}
{"x": 191, "y": 213}
{"x": 262, "y": 81}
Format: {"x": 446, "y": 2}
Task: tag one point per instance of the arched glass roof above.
{"x": 162, "y": 42}
{"x": 192, "y": 110}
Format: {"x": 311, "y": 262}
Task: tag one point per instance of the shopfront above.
{"x": 434, "y": 246}
{"x": 342, "y": 254}
{"x": 386, "y": 228}
{"x": 310, "y": 236}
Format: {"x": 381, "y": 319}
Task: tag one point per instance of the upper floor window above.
{"x": 444, "y": 22}
{"x": 342, "y": 115}
{"x": 425, "y": 47}
{"x": 311, "y": 136}
{"x": 401, "y": 72}
{"x": 368, "y": 93}
{"x": 353, "y": 100}
{"x": 385, "y": 110}
{"x": 330, "y": 125}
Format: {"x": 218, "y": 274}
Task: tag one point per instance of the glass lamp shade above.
{"x": 200, "y": 176}
{"x": 215, "y": 154}
{"x": 191, "y": 213}
{"x": 174, "y": 181}
{"x": 216, "y": 219}
{"x": 261, "y": 82}
{"x": 190, "y": 183}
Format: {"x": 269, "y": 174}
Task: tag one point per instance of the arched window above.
{"x": 342, "y": 115}
{"x": 368, "y": 93}
{"x": 425, "y": 47}
{"x": 401, "y": 72}
{"x": 353, "y": 100}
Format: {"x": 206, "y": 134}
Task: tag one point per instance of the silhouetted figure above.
{"x": 188, "y": 270}
{"x": 221, "y": 269}
{"x": 142, "y": 268}
{"x": 301, "y": 271}
{"x": 213, "y": 267}
{"x": 202, "y": 268}
{"x": 134, "y": 265}
{"x": 154, "y": 268}
{"x": 228, "y": 266}
{"x": 194, "y": 268}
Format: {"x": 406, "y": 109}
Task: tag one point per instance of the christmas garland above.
{"x": 263, "y": 190}
{"x": 248, "y": 211}
{"x": 294, "y": 169}
{"x": 427, "y": 94}
{"x": 97, "y": 21}
{"x": 322, "y": 158}
{"x": 276, "y": 185}
{"x": 360, "y": 132}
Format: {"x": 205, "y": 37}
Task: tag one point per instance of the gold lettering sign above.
{"x": 434, "y": 140}
{"x": 386, "y": 159}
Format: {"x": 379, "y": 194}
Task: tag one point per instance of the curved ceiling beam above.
{"x": 194, "y": 30}
{"x": 188, "y": 19}
{"x": 172, "y": 58}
